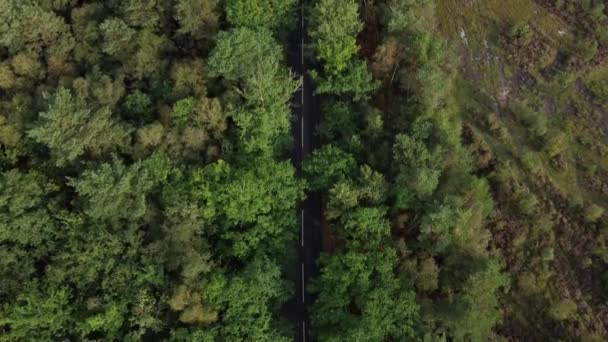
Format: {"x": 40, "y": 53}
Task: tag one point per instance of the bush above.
{"x": 138, "y": 104}
{"x": 584, "y": 48}
{"x": 521, "y": 30}
{"x": 556, "y": 144}
{"x": 527, "y": 204}
{"x": 428, "y": 275}
{"x": 593, "y": 213}
{"x": 535, "y": 122}
{"x": 182, "y": 111}
{"x": 493, "y": 122}
{"x": 599, "y": 89}
{"x": 548, "y": 253}
{"x": 532, "y": 162}
{"x": 562, "y": 310}
{"x": 528, "y": 284}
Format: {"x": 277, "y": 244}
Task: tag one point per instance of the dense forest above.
{"x": 143, "y": 190}
{"x": 147, "y": 191}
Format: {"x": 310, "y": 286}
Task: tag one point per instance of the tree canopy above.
{"x": 455, "y": 161}
{"x": 144, "y": 188}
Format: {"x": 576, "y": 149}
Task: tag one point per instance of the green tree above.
{"x": 182, "y": 112}
{"x": 189, "y": 77}
{"x": 342, "y": 197}
{"x": 419, "y": 170}
{"x": 328, "y": 165}
{"x": 360, "y": 300}
{"x": 142, "y": 13}
{"x": 40, "y": 313}
{"x": 70, "y": 128}
{"x": 271, "y": 14}
{"x": 118, "y": 37}
{"x": 149, "y": 58}
{"x": 355, "y": 79}
{"x": 335, "y": 25}
{"x": 372, "y": 185}
{"x": 239, "y": 53}
{"x": 244, "y": 301}
{"x": 108, "y": 321}
{"x": 87, "y": 34}
{"x": 115, "y": 191}
{"x": 334, "y": 28}
{"x": 138, "y": 105}
{"x": 563, "y": 309}
{"x": 339, "y": 122}
{"x": 26, "y": 209}
{"x": 474, "y": 311}
{"x": 436, "y": 228}
{"x": 365, "y": 228}
{"x": 26, "y": 25}
{"x": 428, "y": 275}
{"x": 198, "y": 18}
{"x": 27, "y": 64}
{"x": 253, "y": 57}
{"x": 256, "y": 204}
{"x": 265, "y": 117}
{"x": 102, "y": 237}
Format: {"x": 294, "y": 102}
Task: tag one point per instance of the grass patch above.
{"x": 480, "y": 18}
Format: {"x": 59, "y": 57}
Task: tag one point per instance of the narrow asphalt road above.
{"x": 305, "y": 120}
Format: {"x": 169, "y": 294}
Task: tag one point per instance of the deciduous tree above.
{"x": 198, "y": 18}
{"x": 270, "y": 14}
{"x": 115, "y": 191}
{"x": 70, "y": 128}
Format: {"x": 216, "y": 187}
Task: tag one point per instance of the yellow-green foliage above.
{"x": 478, "y": 17}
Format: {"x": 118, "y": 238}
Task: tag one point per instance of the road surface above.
{"x": 305, "y": 119}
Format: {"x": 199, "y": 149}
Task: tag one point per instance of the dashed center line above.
{"x": 303, "y": 286}
{"x": 302, "y": 230}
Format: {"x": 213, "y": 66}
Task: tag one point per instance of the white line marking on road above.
{"x": 302, "y": 219}
{"x": 303, "y": 298}
{"x": 304, "y": 331}
{"x": 302, "y": 51}
{"x": 302, "y": 133}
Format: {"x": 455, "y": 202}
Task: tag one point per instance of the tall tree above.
{"x": 43, "y": 312}
{"x": 419, "y": 170}
{"x": 240, "y": 51}
{"x": 253, "y": 58}
{"x": 254, "y": 204}
{"x": 198, "y": 18}
{"x": 115, "y": 191}
{"x": 271, "y": 14}
{"x": 70, "y": 128}
{"x": 25, "y": 24}
{"x": 119, "y": 38}
{"x": 244, "y": 301}
{"x": 26, "y": 209}
{"x": 335, "y": 25}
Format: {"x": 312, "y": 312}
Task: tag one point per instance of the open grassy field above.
{"x": 536, "y": 107}
{"x": 481, "y": 18}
